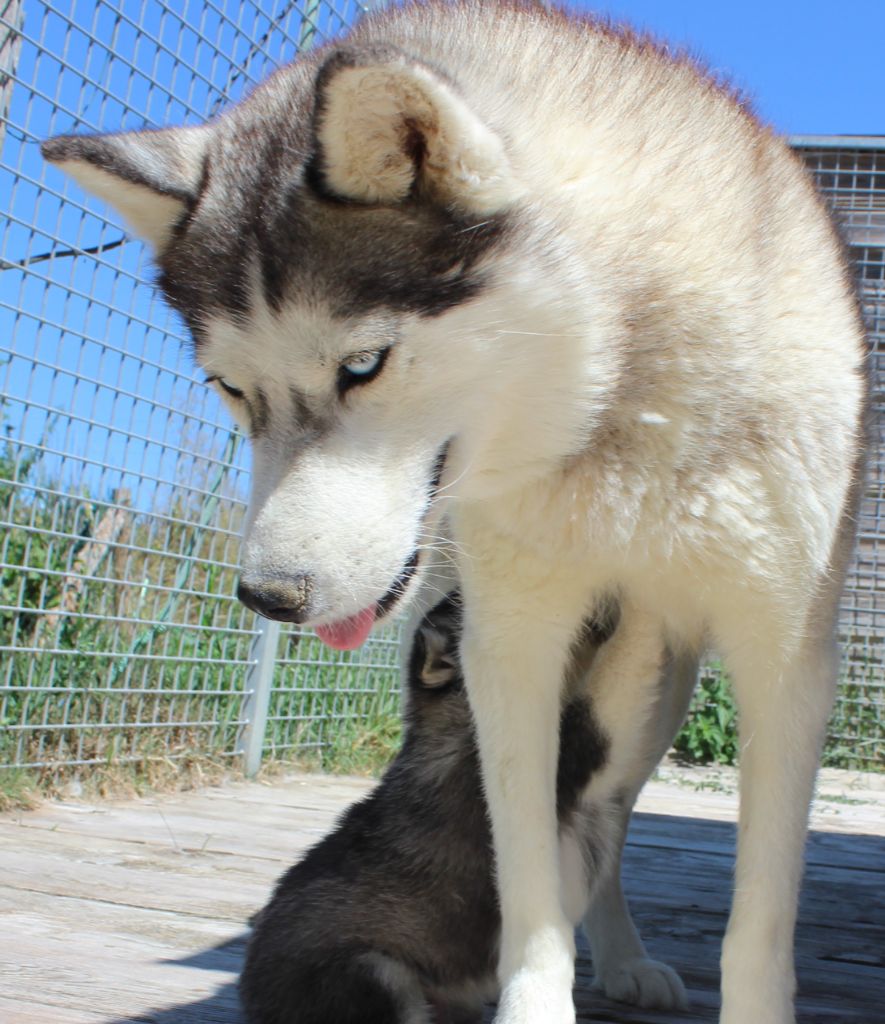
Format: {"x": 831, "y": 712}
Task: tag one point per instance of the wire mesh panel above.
{"x": 851, "y": 173}
{"x": 321, "y": 696}
{"x": 122, "y": 486}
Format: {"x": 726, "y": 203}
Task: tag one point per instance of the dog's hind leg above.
{"x": 640, "y": 709}
{"x": 622, "y": 969}
{"x": 783, "y": 702}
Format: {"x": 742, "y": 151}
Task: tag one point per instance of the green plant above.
{"x": 710, "y": 731}
{"x": 856, "y": 733}
{"x": 363, "y": 747}
{"x": 19, "y": 790}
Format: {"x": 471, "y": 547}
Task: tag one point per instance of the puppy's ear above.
{"x": 440, "y": 666}
{"x": 149, "y": 177}
{"x": 387, "y": 127}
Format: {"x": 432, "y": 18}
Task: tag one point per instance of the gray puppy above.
{"x": 393, "y": 917}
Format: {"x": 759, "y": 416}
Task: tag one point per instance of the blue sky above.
{"x": 811, "y": 67}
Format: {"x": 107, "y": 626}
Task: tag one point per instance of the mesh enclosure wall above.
{"x": 852, "y": 177}
{"x": 122, "y": 486}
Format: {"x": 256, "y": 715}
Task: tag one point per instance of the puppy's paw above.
{"x": 643, "y": 982}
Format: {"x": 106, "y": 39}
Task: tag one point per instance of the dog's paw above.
{"x": 531, "y": 998}
{"x": 752, "y": 1006}
{"x": 780, "y": 1013}
{"x": 643, "y": 982}
{"x": 758, "y": 981}
{"x": 538, "y": 978}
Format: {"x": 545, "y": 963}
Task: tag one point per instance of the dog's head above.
{"x": 370, "y": 292}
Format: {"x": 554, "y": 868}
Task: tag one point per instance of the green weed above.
{"x": 710, "y": 731}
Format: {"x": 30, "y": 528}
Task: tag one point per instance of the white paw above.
{"x": 538, "y": 978}
{"x": 757, "y": 979}
{"x": 531, "y": 998}
{"x": 749, "y": 1006}
{"x": 643, "y": 982}
{"x": 769, "y": 1015}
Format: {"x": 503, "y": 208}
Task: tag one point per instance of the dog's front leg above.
{"x": 520, "y": 620}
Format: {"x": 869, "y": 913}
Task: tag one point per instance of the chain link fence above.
{"x": 122, "y": 487}
{"x": 851, "y": 174}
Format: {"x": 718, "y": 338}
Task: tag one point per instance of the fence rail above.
{"x": 122, "y": 486}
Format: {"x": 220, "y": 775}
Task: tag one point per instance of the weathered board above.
{"x": 135, "y": 911}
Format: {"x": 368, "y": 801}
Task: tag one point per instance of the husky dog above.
{"x": 538, "y": 276}
{"x": 393, "y": 917}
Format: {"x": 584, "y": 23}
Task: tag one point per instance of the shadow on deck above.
{"x": 222, "y": 1007}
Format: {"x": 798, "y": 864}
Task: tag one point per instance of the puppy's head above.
{"x": 437, "y": 716}
{"x": 434, "y": 662}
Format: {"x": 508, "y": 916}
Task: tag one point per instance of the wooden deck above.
{"x": 113, "y": 913}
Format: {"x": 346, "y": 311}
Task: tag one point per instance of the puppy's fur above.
{"x": 487, "y": 260}
{"x": 393, "y": 917}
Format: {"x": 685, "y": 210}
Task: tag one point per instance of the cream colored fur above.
{"x": 151, "y": 214}
{"x": 362, "y": 131}
{"x": 657, "y": 395}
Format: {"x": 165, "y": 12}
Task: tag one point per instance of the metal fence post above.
{"x": 259, "y": 683}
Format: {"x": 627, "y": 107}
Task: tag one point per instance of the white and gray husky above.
{"x": 486, "y": 262}
{"x": 393, "y": 917}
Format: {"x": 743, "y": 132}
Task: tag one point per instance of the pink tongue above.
{"x": 349, "y": 633}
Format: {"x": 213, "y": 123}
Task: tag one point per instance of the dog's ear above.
{"x": 440, "y": 653}
{"x": 387, "y": 127}
{"x": 150, "y": 177}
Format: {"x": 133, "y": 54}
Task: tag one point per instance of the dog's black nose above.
{"x": 285, "y": 599}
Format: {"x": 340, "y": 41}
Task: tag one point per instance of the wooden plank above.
{"x": 118, "y": 913}
{"x": 154, "y": 888}
{"x": 846, "y": 801}
{"x": 179, "y": 830}
{"x": 13, "y": 1011}
{"x": 77, "y": 847}
{"x": 315, "y": 790}
{"x": 102, "y": 959}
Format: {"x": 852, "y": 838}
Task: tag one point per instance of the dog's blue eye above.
{"x": 362, "y": 364}
{"x": 361, "y": 367}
